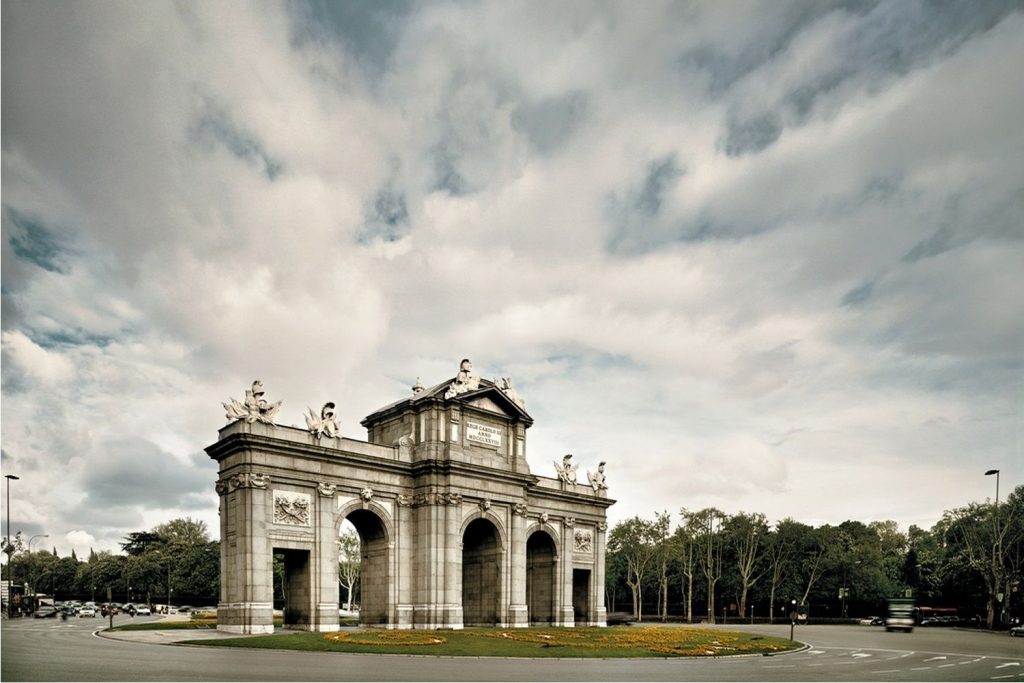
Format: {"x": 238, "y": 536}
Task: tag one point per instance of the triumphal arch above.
{"x": 455, "y": 529}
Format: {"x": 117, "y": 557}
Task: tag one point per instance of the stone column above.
{"x": 517, "y": 612}
{"x": 250, "y": 605}
{"x": 405, "y": 531}
{"x": 325, "y": 569}
{"x": 452, "y": 614}
{"x": 565, "y": 611}
{"x": 599, "y": 615}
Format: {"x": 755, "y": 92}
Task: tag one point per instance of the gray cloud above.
{"x": 785, "y": 237}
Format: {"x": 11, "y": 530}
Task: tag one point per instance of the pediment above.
{"x": 493, "y": 400}
{"x": 488, "y": 404}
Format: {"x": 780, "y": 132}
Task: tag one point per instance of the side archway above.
{"x": 541, "y": 578}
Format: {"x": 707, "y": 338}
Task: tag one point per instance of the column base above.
{"x": 518, "y": 616}
{"x": 245, "y": 617}
{"x": 437, "y": 616}
{"x": 567, "y": 617}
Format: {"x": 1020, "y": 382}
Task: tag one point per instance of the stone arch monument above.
{"x": 454, "y": 528}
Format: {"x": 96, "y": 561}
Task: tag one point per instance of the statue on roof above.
{"x": 596, "y": 479}
{"x": 506, "y": 386}
{"x": 255, "y": 408}
{"x": 566, "y": 471}
{"x": 326, "y": 424}
{"x": 464, "y": 381}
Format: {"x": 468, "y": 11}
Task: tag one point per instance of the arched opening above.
{"x": 372, "y": 588}
{"x": 481, "y": 570}
{"x": 540, "y": 578}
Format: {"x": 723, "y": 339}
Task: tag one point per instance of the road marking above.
{"x": 920, "y": 668}
{"x": 864, "y": 654}
{"x": 816, "y": 652}
{"x": 1003, "y": 666}
{"x": 946, "y": 666}
{"x": 782, "y": 666}
{"x": 887, "y": 671}
{"x": 996, "y": 678}
{"x": 932, "y": 659}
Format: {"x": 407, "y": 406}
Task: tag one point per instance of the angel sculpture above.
{"x": 326, "y": 424}
{"x": 566, "y": 471}
{"x": 255, "y": 408}
{"x": 596, "y": 479}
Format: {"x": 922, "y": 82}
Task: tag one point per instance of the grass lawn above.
{"x": 621, "y": 641}
{"x": 191, "y": 624}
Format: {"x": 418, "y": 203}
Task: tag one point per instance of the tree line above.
{"x": 175, "y": 562}
{"x": 706, "y": 565}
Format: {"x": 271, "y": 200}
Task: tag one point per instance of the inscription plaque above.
{"x": 483, "y": 434}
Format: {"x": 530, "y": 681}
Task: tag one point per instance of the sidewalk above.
{"x": 170, "y": 636}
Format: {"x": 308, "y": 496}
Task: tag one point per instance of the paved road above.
{"x": 36, "y": 649}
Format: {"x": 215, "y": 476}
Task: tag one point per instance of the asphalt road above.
{"x": 37, "y": 649}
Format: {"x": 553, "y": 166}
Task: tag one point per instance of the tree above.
{"x": 349, "y": 563}
{"x": 782, "y": 547}
{"x": 746, "y": 534}
{"x": 686, "y": 546}
{"x": 141, "y": 542}
{"x": 183, "y": 531}
{"x": 636, "y": 540}
{"x": 663, "y": 553}
{"x": 709, "y": 551}
{"x": 977, "y": 535}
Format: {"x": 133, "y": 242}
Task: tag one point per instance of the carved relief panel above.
{"x": 292, "y": 508}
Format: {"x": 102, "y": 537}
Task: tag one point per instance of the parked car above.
{"x": 45, "y": 612}
{"x": 1017, "y": 630}
{"x": 86, "y": 611}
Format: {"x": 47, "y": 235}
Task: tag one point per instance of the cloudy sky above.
{"x": 762, "y": 256}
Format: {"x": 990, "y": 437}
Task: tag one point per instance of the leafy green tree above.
{"x": 745, "y": 535}
{"x": 710, "y": 546}
{"x": 183, "y": 531}
{"x": 636, "y": 541}
{"x": 686, "y": 547}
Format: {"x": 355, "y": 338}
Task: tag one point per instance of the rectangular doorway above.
{"x": 581, "y": 596}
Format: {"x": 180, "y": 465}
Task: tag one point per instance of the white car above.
{"x": 86, "y": 611}
{"x": 142, "y": 611}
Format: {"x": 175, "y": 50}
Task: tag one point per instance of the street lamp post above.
{"x": 10, "y": 545}
{"x": 990, "y": 473}
{"x": 32, "y": 540}
{"x": 844, "y": 590}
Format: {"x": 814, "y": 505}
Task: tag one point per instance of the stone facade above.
{"x": 455, "y": 529}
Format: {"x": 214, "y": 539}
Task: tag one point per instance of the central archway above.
{"x": 373, "y": 570}
{"x": 481, "y": 573}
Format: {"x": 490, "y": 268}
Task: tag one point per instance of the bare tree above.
{"x": 781, "y": 551}
{"x": 686, "y": 546}
{"x": 349, "y": 563}
{"x": 747, "y": 533}
{"x": 635, "y": 540}
{"x": 708, "y": 526}
{"x": 663, "y": 522}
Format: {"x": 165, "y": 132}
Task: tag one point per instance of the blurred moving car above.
{"x": 45, "y": 612}
{"x": 86, "y": 611}
{"x": 1017, "y": 630}
{"x": 142, "y": 610}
